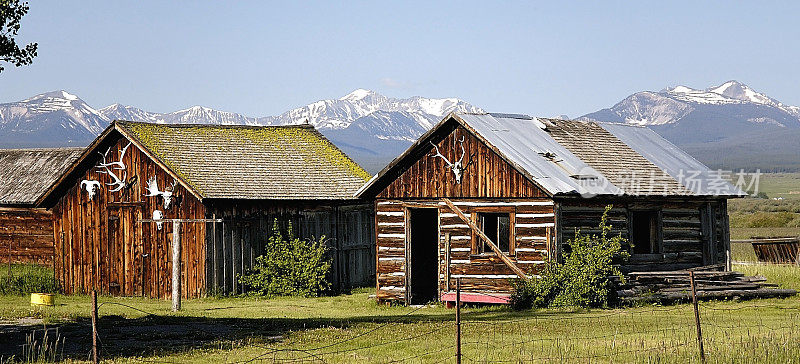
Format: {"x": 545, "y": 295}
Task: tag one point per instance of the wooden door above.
{"x": 125, "y": 251}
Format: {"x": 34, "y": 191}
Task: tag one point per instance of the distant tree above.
{"x": 11, "y": 11}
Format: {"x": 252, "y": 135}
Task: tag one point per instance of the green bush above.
{"x": 289, "y": 267}
{"x": 585, "y": 278}
{"x": 27, "y": 278}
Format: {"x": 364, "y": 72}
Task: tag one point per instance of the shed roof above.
{"x": 26, "y": 174}
{"x": 568, "y": 157}
{"x": 240, "y": 162}
{"x": 251, "y": 162}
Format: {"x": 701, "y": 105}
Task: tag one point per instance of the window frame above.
{"x": 475, "y": 216}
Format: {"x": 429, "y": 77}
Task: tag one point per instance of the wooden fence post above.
{"x": 176, "y": 265}
{"x": 697, "y": 317}
{"x": 95, "y": 359}
{"x": 458, "y": 321}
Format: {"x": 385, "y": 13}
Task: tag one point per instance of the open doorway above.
{"x": 644, "y": 232}
{"x": 423, "y": 227}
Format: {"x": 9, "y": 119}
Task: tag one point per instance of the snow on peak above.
{"x": 680, "y": 89}
{"x": 739, "y": 91}
{"x": 358, "y": 94}
{"x": 68, "y": 95}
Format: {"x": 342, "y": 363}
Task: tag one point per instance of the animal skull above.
{"x": 152, "y": 190}
{"x": 158, "y": 215}
{"x": 91, "y": 187}
{"x": 457, "y": 167}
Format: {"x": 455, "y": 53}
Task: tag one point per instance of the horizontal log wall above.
{"x": 26, "y": 236}
{"x": 484, "y": 273}
{"x": 99, "y": 244}
{"x": 685, "y": 240}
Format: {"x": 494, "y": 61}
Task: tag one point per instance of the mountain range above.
{"x": 726, "y": 126}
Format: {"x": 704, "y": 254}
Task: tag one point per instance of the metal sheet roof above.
{"x": 688, "y": 171}
{"x": 568, "y": 157}
{"x": 524, "y": 142}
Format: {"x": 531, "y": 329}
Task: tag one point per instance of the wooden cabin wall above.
{"x": 694, "y": 232}
{"x": 234, "y": 243}
{"x": 533, "y": 222}
{"x": 26, "y": 236}
{"x": 100, "y": 244}
{"x": 487, "y": 175}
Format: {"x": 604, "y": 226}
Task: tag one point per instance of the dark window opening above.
{"x": 497, "y": 226}
{"x": 644, "y": 232}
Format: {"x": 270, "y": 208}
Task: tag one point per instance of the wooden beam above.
{"x": 179, "y": 220}
{"x": 517, "y": 270}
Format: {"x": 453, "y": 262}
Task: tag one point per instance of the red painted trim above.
{"x": 496, "y": 298}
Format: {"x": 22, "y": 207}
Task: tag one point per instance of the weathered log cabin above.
{"x": 242, "y": 178}
{"x": 490, "y": 197}
{"x": 26, "y": 232}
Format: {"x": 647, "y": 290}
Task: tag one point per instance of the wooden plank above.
{"x": 486, "y": 239}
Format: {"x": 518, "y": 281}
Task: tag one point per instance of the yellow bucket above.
{"x": 42, "y": 299}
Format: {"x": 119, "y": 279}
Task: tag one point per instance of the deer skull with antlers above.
{"x": 457, "y": 167}
{"x": 152, "y": 190}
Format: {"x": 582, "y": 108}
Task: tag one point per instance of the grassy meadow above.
{"x": 353, "y": 328}
{"x": 766, "y": 217}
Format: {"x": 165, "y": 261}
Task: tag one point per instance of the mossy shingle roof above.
{"x": 251, "y": 162}
{"x": 25, "y": 174}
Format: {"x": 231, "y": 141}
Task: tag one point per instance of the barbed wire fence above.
{"x": 653, "y": 334}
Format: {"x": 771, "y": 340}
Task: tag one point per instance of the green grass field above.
{"x": 353, "y": 328}
{"x": 753, "y": 217}
{"x": 786, "y": 185}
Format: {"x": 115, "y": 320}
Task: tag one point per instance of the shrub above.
{"x": 28, "y": 278}
{"x": 289, "y": 267}
{"x": 585, "y": 278}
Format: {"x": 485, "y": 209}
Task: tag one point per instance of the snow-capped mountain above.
{"x": 671, "y": 105}
{"x": 708, "y": 122}
{"x": 371, "y": 116}
{"x": 340, "y": 113}
{"x": 123, "y": 112}
{"x": 49, "y": 119}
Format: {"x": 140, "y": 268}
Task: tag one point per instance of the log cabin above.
{"x": 26, "y": 232}
{"x": 229, "y": 184}
{"x": 487, "y": 198}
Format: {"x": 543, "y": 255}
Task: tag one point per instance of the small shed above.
{"x": 26, "y": 232}
{"x": 491, "y": 197}
{"x": 243, "y": 177}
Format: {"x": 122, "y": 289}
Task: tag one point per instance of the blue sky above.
{"x": 541, "y": 58}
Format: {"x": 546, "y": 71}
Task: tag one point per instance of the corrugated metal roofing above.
{"x": 247, "y": 162}
{"x": 524, "y": 142}
{"x": 586, "y": 158}
{"x": 25, "y": 174}
{"x": 688, "y": 171}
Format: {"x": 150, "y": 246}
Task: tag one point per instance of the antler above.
{"x": 116, "y": 181}
{"x": 118, "y": 164}
{"x": 439, "y": 154}
{"x": 152, "y": 187}
{"x": 172, "y": 187}
{"x": 463, "y": 152}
